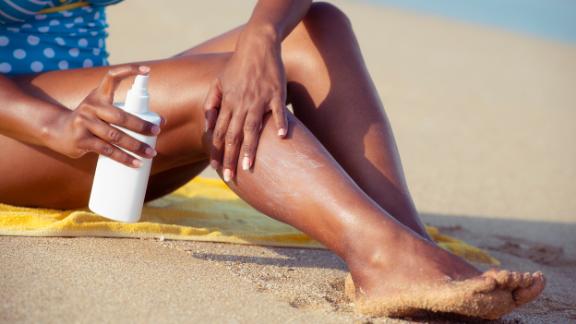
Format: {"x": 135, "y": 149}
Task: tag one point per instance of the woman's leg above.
{"x": 304, "y": 187}
{"x": 397, "y": 272}
{"x": 294, "y": 180}
{"x": 36, "y": 176}
{"x": 333, "y": 95}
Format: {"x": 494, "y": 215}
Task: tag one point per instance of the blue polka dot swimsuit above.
{"x": 33, "y": 42}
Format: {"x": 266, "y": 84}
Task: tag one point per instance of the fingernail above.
{"x": 150, "y": 151}
{"x": 214, "y": 164}
{"x": 136, "y": 163}
{"x": 282, "y": 132}
{"x": 205, "y": 126}
{"x": 227, "y": 175}
{"x": 245, "y": 163}
{"x": 144, "y": 69}
{"x": 155, "y": 129}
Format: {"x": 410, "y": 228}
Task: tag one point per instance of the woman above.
{"x": 330, "y": 169}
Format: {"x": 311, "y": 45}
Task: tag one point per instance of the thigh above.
{"x": 163, "y": 183}
{"x": 297, "y": 48}
{"x": 36, "y": 176}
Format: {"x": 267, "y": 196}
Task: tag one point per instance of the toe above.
{"x": 515, "y": 279}
{"x": 482, "y": 284}
{"x": 510, "y": 280}
{"x": 526, "y": 280}
{"x": 492, "y": 272}
{"x": 503, "y": 278}
{"x": 528, "y": 294}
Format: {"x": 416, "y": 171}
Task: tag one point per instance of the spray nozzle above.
{"x": 140, "y": 85}
{"x": 137, "y": 97}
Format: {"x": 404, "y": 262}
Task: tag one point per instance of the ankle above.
{"x": 377, "y": 252}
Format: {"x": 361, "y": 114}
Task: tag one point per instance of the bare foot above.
{"x": 418, "y": 276}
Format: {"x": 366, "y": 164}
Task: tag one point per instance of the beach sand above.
{"x": 484, "y": 120}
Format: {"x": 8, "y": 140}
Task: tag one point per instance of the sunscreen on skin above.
{"x": 118, "y": 190}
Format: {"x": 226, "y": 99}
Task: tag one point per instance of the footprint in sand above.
{"x": 538, "y": 252}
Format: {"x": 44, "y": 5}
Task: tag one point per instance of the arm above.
{"x": 24, "y": 117}
{"x": 252, "y": 84}
{"x": 76, "y": 132}
{"x": 275, "y": 18}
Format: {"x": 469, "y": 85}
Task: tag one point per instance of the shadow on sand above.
{"x": 519, "y": 244}
{"x": 546, "y": 243}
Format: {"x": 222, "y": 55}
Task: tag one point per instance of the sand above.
{"x": 485, "y": 124}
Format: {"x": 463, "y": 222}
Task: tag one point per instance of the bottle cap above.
{"x": 140, "y": 85}
{"x": 137, "y": 96}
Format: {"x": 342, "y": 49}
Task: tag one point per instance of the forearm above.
{"x": 273, "y": 20}
{"x": 24, "y": 117}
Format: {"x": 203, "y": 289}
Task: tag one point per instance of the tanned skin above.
{"x": 331, "y": 169}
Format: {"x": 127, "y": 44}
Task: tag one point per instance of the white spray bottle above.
{"x": 118, "y": 190}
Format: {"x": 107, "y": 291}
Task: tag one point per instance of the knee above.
{"x": 325, "y": 16}
{"x": 324, "y": 29}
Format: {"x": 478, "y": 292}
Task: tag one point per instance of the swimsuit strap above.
{"x": 69, "y": 6}
{"x": 65, "y": 6}
{"x": 19, "y": 11}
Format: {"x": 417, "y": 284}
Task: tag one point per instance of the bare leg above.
{"x": 340, "y": 105}
{"x": 397, "y": 272}
{"x": 308, "y": 190}
{"x": 36, "y": 176}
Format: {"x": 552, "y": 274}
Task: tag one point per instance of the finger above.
{"x": 117, "y": 137}
{"x": 99, "y": 146}
{"x": 114, "y": 115}
{"x": 279, "y": 112}
{"x": 232, "y": 146}
{"x": 211, "y": 105}
{"x": 252, "y": 127}
{"x": 112, "y": 79}
{"x": 218, "y": 135}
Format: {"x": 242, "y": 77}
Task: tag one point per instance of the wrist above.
{"x": 259, "y": 34}
{"x": 49, "y": 125}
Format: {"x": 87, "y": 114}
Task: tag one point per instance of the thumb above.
{"x": 114, "y": 76}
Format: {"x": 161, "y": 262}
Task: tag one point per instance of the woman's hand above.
{"x": 87, "y": 128}
{"x": 252, "y": 84}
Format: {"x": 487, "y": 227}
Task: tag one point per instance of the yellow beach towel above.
{"x": 202, "y": 210}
